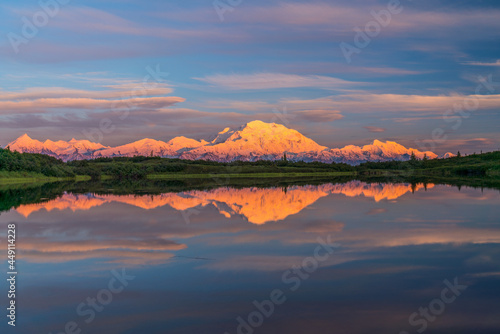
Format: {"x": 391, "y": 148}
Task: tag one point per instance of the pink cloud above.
{"x": 124, "y": 90}
{"x": 320, "y": 14}
{"x": 365, "y": 102}
{"x": 479, "y": 63}
{"x": 274, "y": 80}
{"x": 40, "y": 105}
{"x": 374, "y": 129}
{"x": 318, "y": 115}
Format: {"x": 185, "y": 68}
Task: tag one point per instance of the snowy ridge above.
{"x": 253, "y": 141}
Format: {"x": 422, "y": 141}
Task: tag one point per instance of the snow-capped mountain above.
{"x": 253, "y": 141}
{"x": 66, "y": 150}
{"x": 448, "y": 155}
{"x": 152, "y": 147}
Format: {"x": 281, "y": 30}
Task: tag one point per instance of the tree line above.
{"x": 139, "y": 167}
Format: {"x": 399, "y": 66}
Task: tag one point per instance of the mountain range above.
{"x": 253, "y": 141}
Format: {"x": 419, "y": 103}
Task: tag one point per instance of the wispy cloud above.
{"x": 471, "y": 144}
{"x": 479, "y": 63}
{"x": 41, "y": 105}
{"x": 364, "y": 103}
{"x": 261, "y": 81}
{"x": 125, "y": 90}
{"x": 44, "y": 99}
{"x": 89, "y": 20}
{"x": 319, "y": 115}
{"x": 374, "y": 129}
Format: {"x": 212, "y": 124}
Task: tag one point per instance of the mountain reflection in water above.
{"x": 257, "y": 205}
{"x": 398, "y": 243}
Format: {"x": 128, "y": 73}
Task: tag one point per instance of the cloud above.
{"x": 238, "y": 105}
{"x": 478, "y": 63}
{"x": 374, "y": 129}
{"x": 153, "y": 244}
{"x": 343, "y": 16}
{"x": 332, "y": 107}
{"x": 173, "y": 29}
{"x": 335, "y": 68}
{"x": 376, "y": 211}
{"x": 41, "y": 105}
{"x": 366, "y": 102}
{"x": 118, "y": 96}
{"x": 471, "y": 144}
{"x": 85, "y": 33}
{"x": 89, "y": 20}
{"x": 262, "y": 81}
{"x": 123, "y": 257}
{"x": 319, "y": 115}
{"x": 122, "y": 90}
{"x": 272, "y": 262}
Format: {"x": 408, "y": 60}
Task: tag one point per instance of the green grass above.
{"x": 81, "y": 178}
{"x": 28, "y": 168}
{"x": 174, "y": 176}
{"x": 31, "y": 177}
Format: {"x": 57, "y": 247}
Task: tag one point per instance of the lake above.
{"x": 342, "y": 256}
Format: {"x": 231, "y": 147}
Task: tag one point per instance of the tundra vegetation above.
{"x": 19, "y": 166}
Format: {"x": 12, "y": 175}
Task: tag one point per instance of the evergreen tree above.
{"x": 425, "y": 161}
{"x": 413, "y": 158}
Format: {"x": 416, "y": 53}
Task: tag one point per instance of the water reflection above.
{"x": 399, "y": 241}
{"x": 115, "y": 229}
{"x": 256, "y": 205}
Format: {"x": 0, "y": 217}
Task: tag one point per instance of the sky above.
{"x": 423, "y": 73}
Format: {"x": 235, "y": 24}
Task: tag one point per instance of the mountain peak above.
{"x": 24, "y": 139}
{"x": 181, "y": 142}
{"x": 448, "y": 155}
{"x": 25, "y": 136}
{"x": 145, "y": 141}
{"x": 261, "y": 125}
{"x": 26, "y": 144}
{"x": 258, "y": 123}
{"x": 255, "y": 140}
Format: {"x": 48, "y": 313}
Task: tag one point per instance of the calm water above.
{"x": 349, "y": 257}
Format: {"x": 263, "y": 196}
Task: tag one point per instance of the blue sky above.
{"x": 425, "y": 74}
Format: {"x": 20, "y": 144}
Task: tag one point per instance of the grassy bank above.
{"x": 474, "y": 165}
{"x": 31, "y": 177}
{"x": 179, "y": 176}
{"x": 25, "y": 168}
